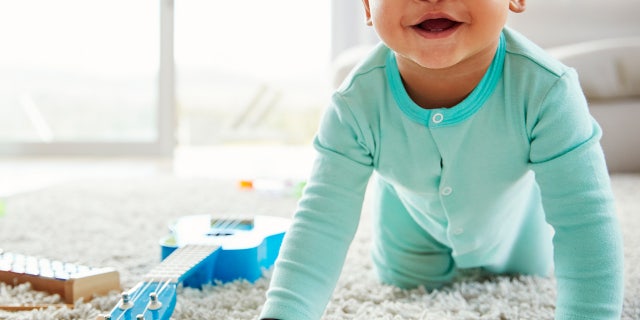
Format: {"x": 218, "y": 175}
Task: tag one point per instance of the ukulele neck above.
{"x": 180, "y": 263}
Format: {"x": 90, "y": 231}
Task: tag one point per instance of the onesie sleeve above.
{"x": 315, "y": 247}
{"x": 570, "y": 169}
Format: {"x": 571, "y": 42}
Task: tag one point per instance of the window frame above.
{"x": 165, "y": 123}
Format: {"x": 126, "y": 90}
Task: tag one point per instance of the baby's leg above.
{"x": 403, "y": 253}
{"x": 532, "y": 251}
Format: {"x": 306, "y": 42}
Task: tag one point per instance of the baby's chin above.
{"x": 433, "y": 59}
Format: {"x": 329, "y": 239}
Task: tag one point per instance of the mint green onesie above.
{"x": 512, "y": 179}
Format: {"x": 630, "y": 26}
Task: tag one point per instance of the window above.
{"x": 251, "y": 71}
{"x": 77, "y": 71}
{"x": 92, "y": 76}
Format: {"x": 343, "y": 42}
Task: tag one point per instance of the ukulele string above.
{"x": 159, "y": 289}
{"x": 118, "y": 305}
{"x": 222, "y": 223}
{"x": 146, "y": 308}
{"x": 135, "y": 297}
{"x": 164, "y": 286}
{"x": 120, "y": 316}
{"x": 141, "y": 290}
{"x": 144, "y": 289}
{"x": 227, "y": 223}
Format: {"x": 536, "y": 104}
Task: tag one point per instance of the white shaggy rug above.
{"x": 117, "y": 223}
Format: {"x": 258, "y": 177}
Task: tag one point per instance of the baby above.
{"x": 483, "y": 155}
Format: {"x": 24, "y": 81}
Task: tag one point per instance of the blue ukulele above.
{"x": 199, "y": 250}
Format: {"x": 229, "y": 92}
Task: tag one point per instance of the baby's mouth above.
{"x": 437, "y": 25}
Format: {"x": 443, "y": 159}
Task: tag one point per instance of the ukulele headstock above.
{"x": 146, "y": 301}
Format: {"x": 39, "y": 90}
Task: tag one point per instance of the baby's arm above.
{"x": 570, "y": 169}
{"x": 325, "y": 222}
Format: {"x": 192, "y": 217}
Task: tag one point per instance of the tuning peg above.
{"x": 125, "y": 302}
{"x": 140, "y": 317}
{"x": 154, "y": 304}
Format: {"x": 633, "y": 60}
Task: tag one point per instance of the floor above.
{"x": 240, "y": 162}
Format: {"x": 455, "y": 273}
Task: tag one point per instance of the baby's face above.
{"x": 438, "y": 34}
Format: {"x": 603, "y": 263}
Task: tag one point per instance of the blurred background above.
{"x": 95, "y": 88}
{"x": 196, "y": 83}
{"x": 95, "y": 77}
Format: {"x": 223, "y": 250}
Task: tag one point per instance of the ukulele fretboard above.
{"x": 180, "y": 262}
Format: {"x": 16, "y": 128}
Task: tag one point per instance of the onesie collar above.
{"x": 447, "y": 116}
